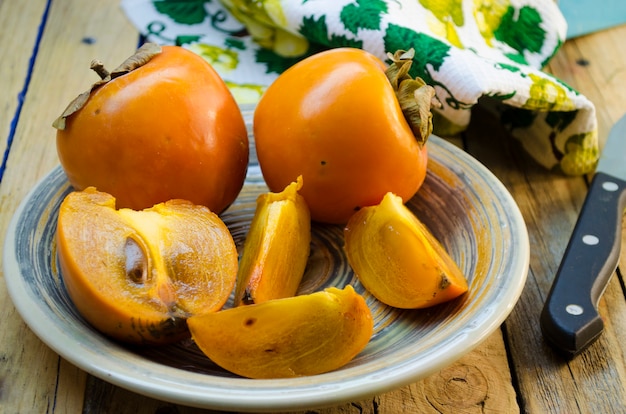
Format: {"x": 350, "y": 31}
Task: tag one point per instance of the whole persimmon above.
{"x": 137, "y": 276}
{"x": 353, "y": 128}
{"x": 161, "y": 126}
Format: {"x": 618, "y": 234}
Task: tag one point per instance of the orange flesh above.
{"x": 397, "y": 258}
{"x": 290, "y": 337}
{"x": 276, "y": 248}
{"x": 137, "y": 275}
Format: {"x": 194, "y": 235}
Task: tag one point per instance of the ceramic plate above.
{"x": 462, "y": 203}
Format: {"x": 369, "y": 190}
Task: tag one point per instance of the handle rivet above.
{"x": 610, "y": 186}
{"x": 590, "y": 240}
{"x": 574, "y": 309}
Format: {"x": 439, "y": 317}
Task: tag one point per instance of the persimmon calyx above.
{"x": 142, "y": 56}
{"x": 414, "y": 95}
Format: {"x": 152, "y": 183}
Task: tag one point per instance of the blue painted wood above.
{"x": 588, "y": 16}
{"x": 22, "y": 94}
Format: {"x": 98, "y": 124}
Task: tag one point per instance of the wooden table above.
{"x": 45, "y": 47}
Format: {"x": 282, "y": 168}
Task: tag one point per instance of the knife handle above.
{"x": 570, "y": 320}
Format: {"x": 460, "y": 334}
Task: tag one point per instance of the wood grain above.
{"x": 16, "y": 17}
{"x": 480, "y": 382}
{"x": 73, "y": 36}
{"x": 551, "y": 205}
{"x": 33, "y": 378}
{"x": 512, "y": 371}
{"x": 20, "y": 390}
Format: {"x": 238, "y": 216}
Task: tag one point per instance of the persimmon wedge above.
{"x": 290, "y": 337}
{"x": 136, "y": 276}
{"x": 276, "y": 247}
{"x": 398, "y": 260}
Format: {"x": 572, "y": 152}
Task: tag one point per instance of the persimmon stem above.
{"x": 146, "y": 52}
{"x": 99, "y": 68}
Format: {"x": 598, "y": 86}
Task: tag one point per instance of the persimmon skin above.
{"x": 334, "y": 119}
{"x": 169, "y": 129}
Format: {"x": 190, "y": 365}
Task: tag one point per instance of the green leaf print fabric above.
{"x": 492, "y": 50}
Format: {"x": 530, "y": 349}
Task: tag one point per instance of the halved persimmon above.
{"x": 138, "y": 275}
{"x": 289, "y": 337}
{"x": 276, "y": 248}
{"x": 398, "y": 260}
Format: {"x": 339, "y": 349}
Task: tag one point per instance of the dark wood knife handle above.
{"x": 570, "y": 320}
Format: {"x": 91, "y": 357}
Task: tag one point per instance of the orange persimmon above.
{"x": 161, "y": 126}
{"x": 336, "y": 119}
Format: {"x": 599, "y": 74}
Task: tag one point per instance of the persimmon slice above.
{"x": 276, "y": 247}
{"x": 289, "y": 337}
{"x": 398, "y": 260}
{"x": 138, "y": 275}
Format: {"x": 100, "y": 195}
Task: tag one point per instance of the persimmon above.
{"x": 161, "y": 126}
{"x": 137, "y": 276}
{"x": 276, "y": 248}
{"x": 353, "y": 128}
{"x": 398, "y": 260}
{"x": 289, "y": 337}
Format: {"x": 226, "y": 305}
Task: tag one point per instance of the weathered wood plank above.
{"x": 15, "y": 17}
{"x": 602, "y": 78}
{"x": 18, "y": 17}
{"x": 603, "y": 82}
{"x": 542, "y": 200}
{"x": 73, "y": 36}
{"x": 479, "y": 382}
{"x": 35, "y": 378}
{"x": 550, "y": 205}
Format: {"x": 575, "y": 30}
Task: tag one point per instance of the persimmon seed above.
{"x": 136, "y": 261}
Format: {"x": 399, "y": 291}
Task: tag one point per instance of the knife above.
{"x": 570, "y": 320}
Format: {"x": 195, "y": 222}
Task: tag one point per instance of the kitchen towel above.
{"x": 468, "y": 50}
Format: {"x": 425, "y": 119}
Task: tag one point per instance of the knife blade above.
{"x": 570, "y": 320}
